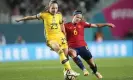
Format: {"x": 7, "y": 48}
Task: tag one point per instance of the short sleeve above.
{"x": 87, "y": 25}
{"x": 39, "y": 16}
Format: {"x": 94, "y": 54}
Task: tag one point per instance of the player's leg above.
{"x": 64, "y": 47}
{"x": 66, "y": 53}
{"x": 65, "y": 50}
{"x": 55, "y": 46}
{"x": 78, "y": 61}
{"x": 93, "y": 67}
{"x": 86, "y": 55}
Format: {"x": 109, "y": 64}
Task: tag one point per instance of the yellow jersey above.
{"x": 51, "y": 23}
{"x": 52, "y": 28}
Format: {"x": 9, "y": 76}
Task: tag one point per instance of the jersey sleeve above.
{"x": 86, "y": 25}
{"x": 39, "y": 16}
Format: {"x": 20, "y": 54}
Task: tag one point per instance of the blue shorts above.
{"x": 84, "y": 52}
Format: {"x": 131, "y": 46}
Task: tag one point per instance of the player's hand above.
{"x": 111, "y": 25}
{"x": 17, "y": 20}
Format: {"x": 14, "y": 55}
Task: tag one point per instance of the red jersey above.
{"x": 75, "y": 34}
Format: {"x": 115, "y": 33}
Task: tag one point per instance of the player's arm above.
{"x": 103, "y": 25}
{"x": 27, "y": 18}
{"x": 91, "y": 25}
{"x": 63, "y": 28}
{"x": 38, "y": 16}
{"x": 62, "y": 24}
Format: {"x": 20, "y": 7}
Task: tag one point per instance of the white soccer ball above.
{"x": 69, "y": 76}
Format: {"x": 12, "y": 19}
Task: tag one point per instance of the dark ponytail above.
{"x": 79, "y": 12}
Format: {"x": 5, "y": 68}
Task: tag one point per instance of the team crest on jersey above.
{"x": 70, "y": 27}
{"x": 79, "y": 26}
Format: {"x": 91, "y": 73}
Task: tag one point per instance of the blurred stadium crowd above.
{"x": 26, "y": 7}
{"x": 11, "y": 9}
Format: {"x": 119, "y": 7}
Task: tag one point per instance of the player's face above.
{"x": 77, "y": 18}
{"x": 53, "y": 8}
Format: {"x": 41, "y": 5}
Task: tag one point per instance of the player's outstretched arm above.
{"x": 103, "y": 25}
{"x": 27, "y": 18}
{"x": 63, "y": 28}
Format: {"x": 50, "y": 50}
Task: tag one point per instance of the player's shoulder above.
{"x": 68, "y": 23}
{"x": 44, "y": 12}
{"x": 59, "y": 13}
{"x": 41, "y": 14}
{"x": 84, "y": 22}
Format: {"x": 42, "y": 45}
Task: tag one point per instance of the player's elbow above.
{"x": 64, "y": 33}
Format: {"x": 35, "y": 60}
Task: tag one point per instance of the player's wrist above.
{"x": 108, "y": 24}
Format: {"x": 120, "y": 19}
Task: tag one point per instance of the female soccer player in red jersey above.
{"x": 77, "y": 44}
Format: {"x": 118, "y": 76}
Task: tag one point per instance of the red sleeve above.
{"x": 86, "y": 25}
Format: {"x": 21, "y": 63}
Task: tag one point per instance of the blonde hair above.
{"x": 49, "y": 4}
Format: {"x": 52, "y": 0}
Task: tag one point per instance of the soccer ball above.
{"x": 69, "y": 76}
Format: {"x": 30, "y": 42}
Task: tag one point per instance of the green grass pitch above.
{"x": 111, "y": 69}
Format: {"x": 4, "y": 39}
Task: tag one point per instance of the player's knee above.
{"x": 65, "y": 51}
{"x": 72, "y": 53}
{"x": 91, "y": 62}
{"x": 55, "y": 47}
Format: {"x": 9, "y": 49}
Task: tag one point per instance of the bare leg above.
{"x": 78, "y": 62}
{"x": 94, "y": 68}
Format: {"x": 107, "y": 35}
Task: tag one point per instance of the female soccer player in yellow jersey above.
{"x": 53, "y": 31}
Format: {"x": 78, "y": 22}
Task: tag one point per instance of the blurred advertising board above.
{"x": 40, "y": 51}
{"x": 120, "y": 14}
{"x": 111, "y": 49}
